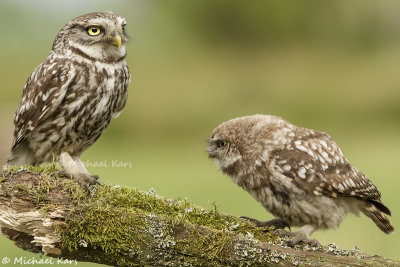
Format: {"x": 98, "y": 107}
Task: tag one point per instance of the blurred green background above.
{"x": 326, "y": 65}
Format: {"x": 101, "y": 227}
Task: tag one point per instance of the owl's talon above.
{"x": 311, "y": 242}
{"x": 297, "y": 238}
{"x": 89, "y": 179}
{"x": 90, "y": 192}
{"x": 314, "y": 243}
{"x": 251, "y": 220}
{"x": 87, "y": 188}
{"x": 277, "y": 223}
{"x": 86, "y": 181}
{"x": 283, "y": 233}
{"x": 82, "y": 180}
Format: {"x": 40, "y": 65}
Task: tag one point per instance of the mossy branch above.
{"x": 123, "y": 226}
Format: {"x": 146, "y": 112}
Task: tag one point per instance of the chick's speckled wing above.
{"x": 43, "y": 92}
{"x": 315, "y": 163}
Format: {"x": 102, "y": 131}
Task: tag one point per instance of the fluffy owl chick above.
{"x": 69, "y": 99}
{"x": 299, "y": 175}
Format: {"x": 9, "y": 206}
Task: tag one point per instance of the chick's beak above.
{"x": 211, "y": 152}
{"x": 116, "y": 40}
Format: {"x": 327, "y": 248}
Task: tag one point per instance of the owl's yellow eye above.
{"x": 94, "y": 30}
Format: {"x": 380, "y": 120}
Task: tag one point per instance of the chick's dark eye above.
{"x": 221, "y": 143}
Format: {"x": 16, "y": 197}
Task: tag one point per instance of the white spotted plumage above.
{"x": 69, "y": 99}
{"x": 299, "y": 175}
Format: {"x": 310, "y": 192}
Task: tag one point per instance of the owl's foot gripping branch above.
{"x": 121, "y": 226}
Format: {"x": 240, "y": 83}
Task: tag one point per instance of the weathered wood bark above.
{"x": 121, "y": 226}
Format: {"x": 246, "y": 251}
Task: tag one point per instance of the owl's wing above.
{"x": 125, "y": 79}
{"x": 43, "y": 92}
{"x": 317, "y": 164}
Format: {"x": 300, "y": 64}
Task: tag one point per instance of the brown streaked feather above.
{"x": 124, "y": 80}
{"x": 379, "y": 205}
{"x": 43, "y": 92}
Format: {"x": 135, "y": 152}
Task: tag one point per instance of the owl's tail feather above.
{"x": 378, "y": 217}
{"x": 380, "y": 206}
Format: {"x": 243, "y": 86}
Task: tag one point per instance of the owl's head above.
{"x": 240, "y": 142}
{"x": 99, "y": 36}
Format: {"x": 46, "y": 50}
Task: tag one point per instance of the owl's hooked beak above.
{"x": 116, "y": 40}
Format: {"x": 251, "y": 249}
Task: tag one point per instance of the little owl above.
{"x": 299, "y": 175}
{"x": 69, "y": 99}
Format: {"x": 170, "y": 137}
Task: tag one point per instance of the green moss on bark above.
{"x": 121, "y": 221}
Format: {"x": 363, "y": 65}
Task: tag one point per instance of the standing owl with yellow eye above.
{"x": 69, "y": 99}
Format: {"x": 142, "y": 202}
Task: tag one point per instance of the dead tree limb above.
{"x": 124, "y": 226}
